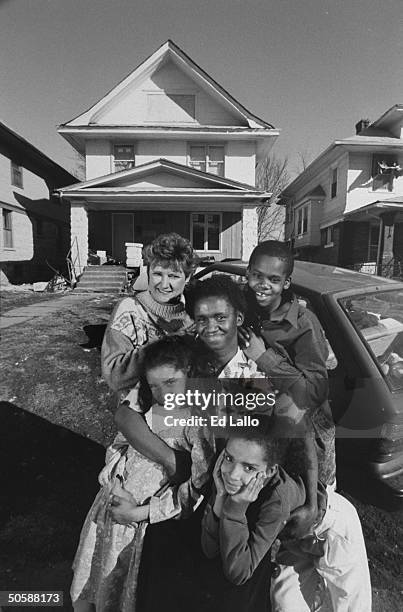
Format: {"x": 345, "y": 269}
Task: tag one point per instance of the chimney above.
{"x": 361, "y": 125}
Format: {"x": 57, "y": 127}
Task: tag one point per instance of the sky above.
{"x": 312, "y": 68}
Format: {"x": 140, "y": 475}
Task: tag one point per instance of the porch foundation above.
{"x": 79, "y": 237}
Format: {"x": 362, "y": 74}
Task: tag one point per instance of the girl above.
{"x": 108, "y": 557}
{"x": 253, "y": 499}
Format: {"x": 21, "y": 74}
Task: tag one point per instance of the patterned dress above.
{"x": 107, "y": 561}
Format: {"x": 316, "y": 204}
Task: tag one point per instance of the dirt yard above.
{"x": 56, "y": 420}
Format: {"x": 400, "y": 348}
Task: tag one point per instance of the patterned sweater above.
{"x": 135, "y": 322}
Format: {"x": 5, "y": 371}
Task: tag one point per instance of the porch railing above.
{"x": 390, "y": 269}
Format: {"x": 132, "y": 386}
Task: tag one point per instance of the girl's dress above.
{"x": 107, "y": 561}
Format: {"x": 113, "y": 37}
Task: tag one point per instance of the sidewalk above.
{"x": 22, "y": 314}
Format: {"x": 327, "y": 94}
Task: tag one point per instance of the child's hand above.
{"x": 123, "y": 509}
{"x": 118, "y": 490}
{"x": 218, "y": 481}
{"x": 243, "y": 336}
{"x": 249, "y": 493}
{"x": 254, "y": 346}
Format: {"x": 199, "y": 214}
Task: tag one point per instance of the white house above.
{"x": 167, "y": 149}
{"x": 346, "y": 208}
{"x": 34, "y": 225}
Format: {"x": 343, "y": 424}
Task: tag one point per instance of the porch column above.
{"x": 79, "y": 236}
{"x": 249, "y": 230}
{"x": 385, "y": 245}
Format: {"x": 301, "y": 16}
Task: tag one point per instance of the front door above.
{"x": 122, "y": 232}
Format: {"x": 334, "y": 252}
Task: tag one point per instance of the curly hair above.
{"x": 266, "y": 434}
{"x": 218, "y": 286}
{"x": 274, "y": 248}
{"x": 170, "y": 250}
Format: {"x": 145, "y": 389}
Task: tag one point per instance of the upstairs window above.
{"x": 123, "y": 156}
{"x": 16, "y": 175}
{"x": 302, "y": 221}
{"x": 207, "y": 158}
{"x": 333, "y": 189}
{"x": 205, "y": 231}
{"x": 7, "y": 229}
{"x": 385, "y": 168}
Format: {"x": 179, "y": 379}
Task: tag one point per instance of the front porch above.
{"x": 218, "y": 215}
{"x": 374, "y": 237}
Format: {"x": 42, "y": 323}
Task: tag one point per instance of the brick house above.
{"x": 346, "y": 207}
{"x": 167, "y": 149}
{"x": 35, "y": 226}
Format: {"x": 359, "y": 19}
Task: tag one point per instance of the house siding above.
{"x": 98, "y": 155}
{"x": 40, "y": 229}
{"x": 240, "y": 161}
{"x": 359, "y": 182}
{"x": 150, "y": 150}
{"x": 239, "y": 165}
{"x": 33, "y": 186}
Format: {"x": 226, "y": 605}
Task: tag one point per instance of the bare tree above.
{"x": 272, "y": 176}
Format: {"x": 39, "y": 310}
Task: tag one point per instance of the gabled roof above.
{"x": 126, "y": 180}
{"x": 169, "y": 50}
{"x": 20, "y": 150}
{"x": 390, "y": 116}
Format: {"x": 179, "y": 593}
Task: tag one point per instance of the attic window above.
{"x": 171, "y": 107}
{"x": 384, "y": 170}
{"x": 123, "y": 157}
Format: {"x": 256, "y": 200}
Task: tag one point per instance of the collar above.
{"x": 287, "y": 311}
{"x": 240, "y": 366}
{"x": 167, "y": 311}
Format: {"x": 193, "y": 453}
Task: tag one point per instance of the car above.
{"x": 362, "y": 316}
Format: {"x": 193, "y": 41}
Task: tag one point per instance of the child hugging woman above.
{"x": 107, "y": 561}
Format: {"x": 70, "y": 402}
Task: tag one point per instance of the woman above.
{"x": 139, "y": 320}
{"x": 149, "y": 314}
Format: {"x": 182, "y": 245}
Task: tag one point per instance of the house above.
{"x": 35, "y": 225}
{"x": 167, "y": 149}
{"x": 346, "y": 207}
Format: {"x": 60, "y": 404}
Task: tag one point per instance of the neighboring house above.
{"x": 346, "y": 207}
{"x": 35, "y": 225}
{"x": 167, "y": 149}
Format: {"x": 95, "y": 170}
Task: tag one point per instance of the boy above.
{"x": 253, "y": 498}
{"x": 217, "y": 306}
{"x": 287, "y": 342}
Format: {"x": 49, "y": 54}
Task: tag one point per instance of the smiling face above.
{"x": 243, "y": 459}
{"x": 267, "y": 278}
{"x": 166, "y": 284}
{"x": 217, "y": 323}
{"x": 165, "y": 379}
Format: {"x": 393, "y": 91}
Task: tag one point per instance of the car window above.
{"x": 378, "y": 318}
{"x": 331, "y": 361}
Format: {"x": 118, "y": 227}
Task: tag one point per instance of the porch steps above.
{"x": 102, "y": 279}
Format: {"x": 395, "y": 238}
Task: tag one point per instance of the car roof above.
{"x": 316, "y": 277}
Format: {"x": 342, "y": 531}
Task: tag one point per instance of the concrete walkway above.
{"x": 21, "y": 314}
